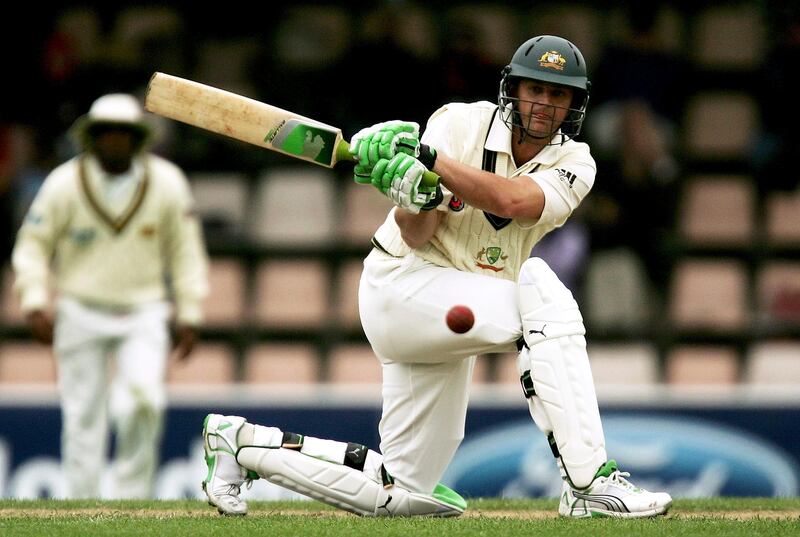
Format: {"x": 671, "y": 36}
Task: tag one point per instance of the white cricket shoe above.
{"x": 611, "y": 495}
{"x": 223, "y": 484}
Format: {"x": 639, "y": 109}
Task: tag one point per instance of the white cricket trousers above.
{"x": 91, "y": 344}
{"x": 427, "y": 369}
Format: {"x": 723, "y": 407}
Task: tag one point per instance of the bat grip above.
{"x": 429, "y": 179}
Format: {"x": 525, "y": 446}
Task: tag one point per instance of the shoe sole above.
{"x": 599, "y": 513}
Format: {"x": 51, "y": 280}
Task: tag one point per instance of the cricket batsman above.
{"x": 511, "y": 171}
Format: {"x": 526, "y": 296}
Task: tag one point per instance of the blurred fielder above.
{"x": 114, "y": 223}
{"x": 510, "y": 173}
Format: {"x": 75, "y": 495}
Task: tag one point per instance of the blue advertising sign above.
{"x": 689, "y": 451}
{"x": 686, "y": 456}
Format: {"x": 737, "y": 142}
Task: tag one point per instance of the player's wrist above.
{"x": 427, "y": 156}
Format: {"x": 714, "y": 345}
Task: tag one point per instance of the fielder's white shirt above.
{"x": 467, "y": 238}
{"x": 114, "y": 191}
{"x": 113, "y": 240}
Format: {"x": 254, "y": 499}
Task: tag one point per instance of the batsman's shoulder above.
{"x": 466, "y": 110}
{"x": 459, "y": 115}
{"x": 577, "y": 151}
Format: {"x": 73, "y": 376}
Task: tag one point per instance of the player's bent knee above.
{"x": 547, "y": 308}
{"x": 345, "y": 487}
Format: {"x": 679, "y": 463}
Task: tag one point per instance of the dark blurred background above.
{"x": 684, "y": 256}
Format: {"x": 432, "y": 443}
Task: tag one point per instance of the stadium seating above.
{"x": 273, "y": 363}
{"x": 225, "y": 63}
{"x": 346, "y": 292}
{"x": 616, "y": 291}
{"x": 709, "y": 294}
{"x": 782, "y": 222}
{"x": 718, "y": 211}
{"x": 773, "y": 363}
{"x": 294, "y": 206}
{"x": 719, "y": 124}
{"x": 291, "y": 293}
{"x": 506, "y": 369}
{"x": 27, "y": 363}
{"x": 692, "y": 365}
{"x": 150, "y": 38}
{"x": 778, "y": 293}
{"x": 580, "y": 23}
{"x": 728, "y": 37}
{"x": 311, "y": 36}
{"x": 481, "y": 373}
{"x": 353, "y": 364}
{"x": 227, "y": 280}
{"x": 221, "y": 200}
{"x": 365, "y": 209}
{"x": 209, "y": 363}
{"x": 286, "y": 238}
{"x": 495, "y": 28}
{"x": 626, "y": 364}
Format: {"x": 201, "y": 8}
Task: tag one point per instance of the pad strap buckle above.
{"x": 527, "y": 384}
{"x": 386, "y": 477}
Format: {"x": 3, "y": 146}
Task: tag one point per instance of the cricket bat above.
{"x": 248, "y": 120}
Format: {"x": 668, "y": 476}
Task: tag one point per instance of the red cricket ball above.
{"x": 460, "y": 319}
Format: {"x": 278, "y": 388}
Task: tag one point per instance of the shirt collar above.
{"x": 499, "y": 138}
{"x": 134, "y": 173}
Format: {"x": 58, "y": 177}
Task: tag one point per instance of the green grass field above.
{"x": 489, "y": 517}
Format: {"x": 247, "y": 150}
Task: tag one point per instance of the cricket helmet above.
{"x": 552, "y": 59}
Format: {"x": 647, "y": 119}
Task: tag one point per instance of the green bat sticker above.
{"x": 306, "y": 141}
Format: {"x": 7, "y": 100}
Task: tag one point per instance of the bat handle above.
{"x": 429, "y": 179}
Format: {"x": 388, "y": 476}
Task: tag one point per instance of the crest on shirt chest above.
{"x": 491, "y": 258}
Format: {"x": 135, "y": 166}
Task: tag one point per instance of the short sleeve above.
{"x": 564, "y": 188}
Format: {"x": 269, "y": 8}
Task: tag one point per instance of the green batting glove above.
{"x": 382, "y": 141}
{"x": 399, "y": 179}
{"x": 377, "y": 179}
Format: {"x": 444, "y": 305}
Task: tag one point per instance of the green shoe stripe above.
{"x": 449, "y": 496}
{"x": 211, "y": 462}
{"x": 607, "y": 469}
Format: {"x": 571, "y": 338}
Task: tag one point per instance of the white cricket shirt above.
{"x": 113, "y": 243}
{"x": 468, "y": 238}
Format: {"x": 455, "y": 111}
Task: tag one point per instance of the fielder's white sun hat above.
{"x": 115, "y": 109}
